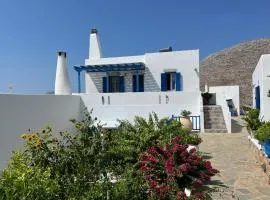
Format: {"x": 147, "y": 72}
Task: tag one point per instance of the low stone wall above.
{"x": 261, "y": 158}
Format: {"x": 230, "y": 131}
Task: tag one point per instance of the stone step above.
{"x": 214, "y": 120}
{"x": 213, "y": 112}
{"x": 212, "y": 109}
{"x": 214, "y": 123}
{"x": 213, "y": 116}
{"x": 215, "y": 130}
{"x": 215, "y": 126}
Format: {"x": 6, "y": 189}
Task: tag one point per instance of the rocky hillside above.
{"x": 234, "y": 66}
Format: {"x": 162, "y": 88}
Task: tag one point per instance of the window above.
{"x": 170, "y": 77}
{"x": 138, "y": 85}
{"x": 171, "y": 81}
{"x": 113, "y": 84}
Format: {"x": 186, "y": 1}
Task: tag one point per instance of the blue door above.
{"x": 257, "y": 97}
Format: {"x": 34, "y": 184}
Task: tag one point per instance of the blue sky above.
{"x": 32, "y": 31}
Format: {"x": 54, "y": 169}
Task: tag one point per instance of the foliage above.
{"x": 22, "y": 181}
{"x": 190, "y": 138}
{"x": 263, "y": 132}
{"x": 170, "y": 169}
{"x": 252, "y": 119}
{"x": 75, "y": 162}
{"x": 85, "y": 165}
{"x": 130, "y": 139}
{"x": 185, "y": 113}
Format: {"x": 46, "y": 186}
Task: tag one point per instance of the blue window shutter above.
{"x": 141, "y": 83}
{"x": 134, "y": 83}
{"x": 122, "y": 84}
{"x": 178, "y": 81}
{"x": 104, "y": 82}
{"x": 109, "y": 89}
{"x": 163, "y": 82}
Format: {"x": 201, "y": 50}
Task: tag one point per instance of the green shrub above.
{"x": 73, "y": 163}
{"x": 22, "y": 181}
{"x": 263, "y": 133}
{"x": 82, "y": 165}
{"x": 191, "y": 138}
{"x": 252, "y": 119}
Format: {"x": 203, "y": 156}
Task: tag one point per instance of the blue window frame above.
{"x": 138, "y": 83}
{"x": 171, "y": 81}
{"x": 113, "y": 84}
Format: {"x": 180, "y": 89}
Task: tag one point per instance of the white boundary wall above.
{"x": 109, "y": 107}
{"x": 227, "y": 92}
{"x": 261, "y": 77}
{"x": 18, "y": 113}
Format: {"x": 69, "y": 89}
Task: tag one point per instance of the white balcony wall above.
{"x": 112, "y": 106}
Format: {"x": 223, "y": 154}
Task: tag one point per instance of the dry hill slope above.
{"x": 234, "y": 66}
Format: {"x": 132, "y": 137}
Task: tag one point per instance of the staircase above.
{"x": 213, "y": 119}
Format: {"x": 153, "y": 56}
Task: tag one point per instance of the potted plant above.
{"x": 252, "y": 121}
{"x": 263, "y": 135}
{"x": 185, "y": 119}
{"x": 206, "y": 96}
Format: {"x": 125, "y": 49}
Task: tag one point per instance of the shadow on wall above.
{"x": 150, "y": 83}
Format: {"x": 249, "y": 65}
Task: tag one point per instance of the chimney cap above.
{"x": 168, "y": 49}
{"x": 94, "y": 30}
{"x": 62, "y": 53}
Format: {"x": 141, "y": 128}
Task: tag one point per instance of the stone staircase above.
{"x": 213, "y": 119}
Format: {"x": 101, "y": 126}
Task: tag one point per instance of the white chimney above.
{"x": 95, "y": 47}
{"x": 62, "y": 83}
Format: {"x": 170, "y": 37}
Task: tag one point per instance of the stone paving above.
{"x": 239, "y": 171}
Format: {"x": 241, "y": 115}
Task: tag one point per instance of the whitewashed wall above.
{"x": 261, "y": 77}
{"x": 185, "y": 62}
{"x": 227, "y": 92}
{"x": 112, "y": 106}
{"x": 18, "y": 113}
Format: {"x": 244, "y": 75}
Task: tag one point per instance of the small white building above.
{"x": 165, "y": 82}
{"x": 261, "y": 87}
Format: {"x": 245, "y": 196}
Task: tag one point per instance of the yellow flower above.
{"x": 23, "y": 136}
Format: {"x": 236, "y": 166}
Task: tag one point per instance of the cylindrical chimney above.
{"x": 62, "y": 82}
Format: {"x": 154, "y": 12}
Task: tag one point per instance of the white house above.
{"x": 261, "y": 87}
{"x": 165, "y": 82}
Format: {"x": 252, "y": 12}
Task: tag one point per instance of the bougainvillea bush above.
{"x": 169, "y": 169}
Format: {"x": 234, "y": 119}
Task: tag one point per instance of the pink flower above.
{"x": 197, "y": 183}
{"x": 184, "y": 168}
{"x": 207, "y": 165}
{"x": 176, "y": 140}
{"x": 169, "y": 166}
{"x": 153, "y": 184}
{"x": 199, "y": 196}
{"x": 181, "y": 196}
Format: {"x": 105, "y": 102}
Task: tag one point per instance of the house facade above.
{"x": 261, "y": 87}
{"x": 165, "y": 82}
